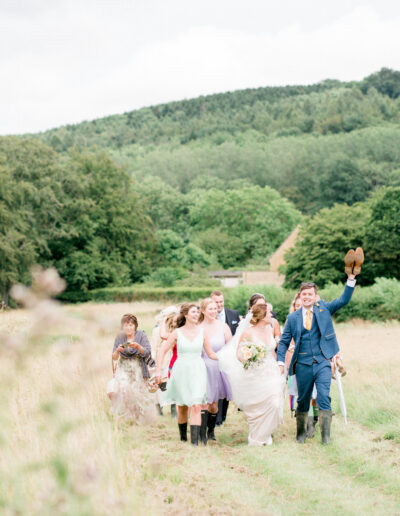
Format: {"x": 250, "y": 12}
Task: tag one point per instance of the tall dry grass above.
{"x": 62, "y": 453}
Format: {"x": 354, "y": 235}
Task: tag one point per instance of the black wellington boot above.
{"x": 301, "y": 422}
{"x": 183, "y": 431}
{"x": 325, "y": 420}
{"x": 212, "y": 419}
{"x": 203, "y": 427}
{"x": 194, "y": 434}
{"x": 159, "y": 408}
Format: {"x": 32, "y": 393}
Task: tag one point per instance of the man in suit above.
{"x": 311, "y": 328}
{"x": 231, "y": 318}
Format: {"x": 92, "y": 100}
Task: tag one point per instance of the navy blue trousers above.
{"x": 306, "y": 376}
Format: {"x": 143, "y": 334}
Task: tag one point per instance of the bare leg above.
{"x": 195, "y": 417}
{"x": 213, "y": 407}
{"x": 182, "y": 413}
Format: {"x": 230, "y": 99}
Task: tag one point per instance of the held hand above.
{"x": 120, "y": 348}
{"x": 282, "y": 368}
{"x": 158, "y": 379}
{"x": 135, "y": 345}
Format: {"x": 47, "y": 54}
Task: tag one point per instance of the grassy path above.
{"x": 62, "y": 453}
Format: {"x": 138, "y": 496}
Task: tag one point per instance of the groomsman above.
{"x": 311, "y": 328}
{"x": 231, "y": 318}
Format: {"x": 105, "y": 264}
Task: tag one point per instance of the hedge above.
{"x": 148, "y": 293}
{"x": 380, "y": 301}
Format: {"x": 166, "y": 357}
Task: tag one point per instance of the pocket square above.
{"x": 234, "y": 322}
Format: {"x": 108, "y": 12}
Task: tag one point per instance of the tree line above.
{"x": 86, "y": 215}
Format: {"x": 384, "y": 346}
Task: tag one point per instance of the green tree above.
{"x": 382, "y": 234}
{"x": 259, "y": 217}
{"x": 342, "y": 182}
{"x": 386, "y": 81}
{"x": 322, "y": 244}
{"x": 106, "y": 236}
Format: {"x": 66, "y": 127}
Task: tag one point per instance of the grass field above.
{"x": 62, "y": 454}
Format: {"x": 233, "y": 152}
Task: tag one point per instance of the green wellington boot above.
{"x": 325, "y": 420}
{"x": 301, "y": 423}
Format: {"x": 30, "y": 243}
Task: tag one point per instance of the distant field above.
{"x": 62, "y": 453}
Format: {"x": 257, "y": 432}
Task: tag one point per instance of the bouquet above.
{"x": 251, "y": 354}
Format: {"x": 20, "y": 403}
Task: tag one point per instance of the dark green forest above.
{"x": 214, "y": 182}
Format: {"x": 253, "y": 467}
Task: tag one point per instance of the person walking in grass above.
{"x": 128, "y": 392}
{"x": 311, "y": 329}
{"x": 218, "y": 387}
{"x": 232, "y": 319}
{"x": 188, "y": 383}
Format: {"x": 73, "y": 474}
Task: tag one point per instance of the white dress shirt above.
{"x": 221, "y": 316}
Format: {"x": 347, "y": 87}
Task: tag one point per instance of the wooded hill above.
{"x": 317, "y": 145}
{"x": 217, "y": 181}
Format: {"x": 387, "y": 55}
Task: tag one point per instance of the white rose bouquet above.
{"x": 251, "y": 354}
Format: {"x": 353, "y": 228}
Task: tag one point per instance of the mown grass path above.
{"x": 62, "y": 453}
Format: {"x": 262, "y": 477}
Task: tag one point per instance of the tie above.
{"x": 308, "y": 320}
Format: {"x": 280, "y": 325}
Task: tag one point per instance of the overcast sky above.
{"x": 64, "y": 61}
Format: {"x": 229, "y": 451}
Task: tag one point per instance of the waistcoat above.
{"x": 310, "y": 349}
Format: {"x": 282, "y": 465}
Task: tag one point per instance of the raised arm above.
{"x": 333, "y": 306}
{"x": 168, "y": 344}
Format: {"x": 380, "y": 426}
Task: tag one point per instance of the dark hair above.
{"x": 129, "y": 318}
{"x": 308, "y": 284}
{"x": 254, "y": 298}
{"x": 216, "y": 293}
{"x": 259, "y": 312}
{"x": 181, "y": 319}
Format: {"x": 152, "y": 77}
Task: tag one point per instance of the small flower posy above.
{"x": 251, "y": 354}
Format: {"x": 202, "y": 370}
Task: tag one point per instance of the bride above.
{"x": 258, "y": 390}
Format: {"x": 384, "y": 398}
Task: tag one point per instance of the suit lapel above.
{"x": 317, "y": 314}
{"x": 227, "y": 317}
{"x": 299, "y": 322}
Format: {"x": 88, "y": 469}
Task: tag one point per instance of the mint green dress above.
{"x": 188, "y": 382}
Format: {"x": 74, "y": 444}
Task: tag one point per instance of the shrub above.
{"x": 166, "y": 276}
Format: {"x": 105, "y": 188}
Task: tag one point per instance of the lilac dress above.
{"x": 218, "y": 387}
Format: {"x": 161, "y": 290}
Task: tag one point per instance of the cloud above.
{"x": 88, "y": 67}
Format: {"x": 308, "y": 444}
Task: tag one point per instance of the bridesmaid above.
{"x": 188, "y": 383}
{"x": 218, "y": 387}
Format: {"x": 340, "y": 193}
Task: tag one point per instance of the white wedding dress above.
{"x": 259, "y": 390}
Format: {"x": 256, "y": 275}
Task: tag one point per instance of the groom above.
{"x": 311, "y": 328}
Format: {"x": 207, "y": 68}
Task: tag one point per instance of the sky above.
{"x": 63, "y": 62}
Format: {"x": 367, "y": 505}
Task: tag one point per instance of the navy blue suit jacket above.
{"x": 323, "y": 316}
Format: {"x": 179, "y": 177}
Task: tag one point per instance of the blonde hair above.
{"x": 293, "y": 303}
{"x": 169, "y": 322}
{"x": 203, "y": 305}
